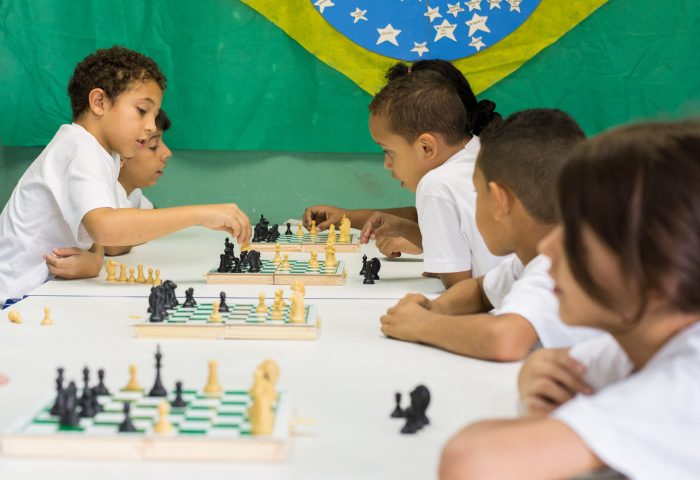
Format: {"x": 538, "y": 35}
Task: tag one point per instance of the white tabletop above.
{"x": 186, "y": 256}
{"x": 345, "y": 380}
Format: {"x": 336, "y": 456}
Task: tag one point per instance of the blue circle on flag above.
{"x": 413, "y": 29}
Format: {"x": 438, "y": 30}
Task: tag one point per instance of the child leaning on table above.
{"x": 626, "y": 260}
{"x": 68, "y": 197}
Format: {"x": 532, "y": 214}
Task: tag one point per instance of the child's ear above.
{"x": 501, "y": 198}
{"x": 428, "y": 144}
{"x": 97, "y": 99}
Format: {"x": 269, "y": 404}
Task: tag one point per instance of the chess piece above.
{"x": 68, "y": 417}
{"x": 313, "y": 230}
{"x": 277, "y": 313}
{"x": 110, "y": 268}
{"x": 156, "y": 281}
{"x": 158, "y": 390}
{"x": 133, "y": 385}
{"x": 215, "y": 316}
{"x": 313, "y": 261}
{"x": 163, "y": 425}
{"x": 261, "y": 308}
{"x": 127, "y": 425}
{"x": 297, "y": 310}
{"x": 374, "y": 265}
{"x": 364, "y": 265}
{"x": 190, "y": 302}
{"x": 271, "y": 370}
{"x": 222, "y": 304}
{"x": 55, "y": 410}
{"x": 150, "y": 276}
{"x": 223, "y": 267}
{"x": 101, "y": 389}
{"x": 14, "y": 316}
{"x": 131, "y": 278}
{"x": 344, "y": 230}
{"x": 330, "y": 261}
{"x": 398, "y": 411}
{"x": 331, "y": 235}
{"x": 156, "y": 305}
{"x": 298, "y": 286}
{"x": 278, "y": 258}
{"x": 415, "y": 413}
{"x": 369, "y": 278}
{"x": 300, "y": 231}
{"x": 213, "y": 388}
{"x": 122, "y": 272}
{"x": 285, "y": 265}
{"x": 278, "y": 296}
{"x": 139, "y": 275}
{"x": 47, "y": 321}
{"x": 261, "y": 414}
{"x": 289, "y": 229}
{"x": 87, "y": 404}
{"x": 178, "y": 401}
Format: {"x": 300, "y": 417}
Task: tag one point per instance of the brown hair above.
{"x": 525, "y": 153}
{"x": 112, "y": 70}
{"x": 636, "y": 188}
{"x": 422, "y": 102}
{"x": 162, "y": 121}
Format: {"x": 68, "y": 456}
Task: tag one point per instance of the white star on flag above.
{"x": 473, "y": 5}
{"x": 445, "y": 30}
{"x": 494, "y": 4}
{"x": 514, "y": 5}
{"x": 420, "y": 48}
{"x": 454, "y": 9}
{"x": 388, "y": 34}
{"x": 477, "y": 23}
{"x": 477, "y": 43}
{"x": 433, "y": 13}
{"x": 323, "y": 4}
{"x": 358, "y": 15}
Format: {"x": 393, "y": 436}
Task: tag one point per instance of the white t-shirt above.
{"x": 72, "y": 176}
{"x": 446, "y": 205}
{"x": 645, "y": 425}
{"x": 136, "y": 199}
{"x": 527, "y": 290}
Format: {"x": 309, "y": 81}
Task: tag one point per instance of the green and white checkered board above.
{"x": 296, "y": 267}
{"x": 318, "y": 239}
{"x": 238, "y": 314}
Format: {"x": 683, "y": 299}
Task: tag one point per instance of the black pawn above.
{"x": 127, "y": 426}
{"x": 289, "y": 229}
{"x": 56, "y": 409}
{"x": 178, "y": 402}
{"x": 87, "y": 392}
{"x": 364, "y": 265}
{"x": 101, "y": 388}
{"x": 237, "y": 266}
{"x": 190, "y": 302}
{"x": 222, "y": 264}
{"x": 96, "y": 405}
{"x": 398, "y": 411}
{"x": 87, "y": 404}
{"x": 222, "y": 304}
{"x": 158, "y": 390}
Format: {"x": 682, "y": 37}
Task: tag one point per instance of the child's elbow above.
{"x": 464, "y": 458}
{"x": 100, "y": 227}
{"x": 509, "y": 344}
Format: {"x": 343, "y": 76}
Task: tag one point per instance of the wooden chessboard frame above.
{"x": 310, "y": 243}
{"x": 151, "y": 446}
{"x": 222, "y": 331}
{"x": 321, "y": 277}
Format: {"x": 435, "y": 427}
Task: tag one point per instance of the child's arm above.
{"x": 114, "y": 251}
{"x": 381, "y": 225}
{"x": 73, "y": 262}
{"x": 133, "y": 226}
{"x": 394, "y": 247}
{"x": 549, "y": 378}
{"x": 504, "y": 338}
{"x": 524, "y": 448}
{"x": 464, "y": 297}
{"x": 327, "y": 214}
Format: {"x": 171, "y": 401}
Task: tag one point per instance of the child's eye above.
{"x": 141, "y": 111}
{"x": 153, "y": 149}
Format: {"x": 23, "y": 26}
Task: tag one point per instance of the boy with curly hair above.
{"x": 68, "y": 195}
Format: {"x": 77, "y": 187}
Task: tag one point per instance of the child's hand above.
{"x": 549, "y": 378}
{"x": 325, "y": 215}
{"x": 228, "y": 218}
{"x": 404, "y": 320}
{"x": 382, "y": 225}
{"x": 3, "y": 379}
{"x": 393, "y": 247}
{"x": 73, "y": 262}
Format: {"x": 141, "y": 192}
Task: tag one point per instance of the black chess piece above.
{"x": 369, "y": 280}
{"x": 158, "y": 390}
{"x": 398, "y": 411}
{"x": 86, "y": 397}
{"x": 222, "y": 304}
{"x": 422, "y": 401}
{"x": 155, "y": 300}
{"x": 160, "y": 302}
{"x": 152, "y": 300}
{"x": 190, "y": 302}
{"x": 364, "y": 265}
{"x": 170, "y": 297}
{"x": 273, "y": 233}
{"x": 237, "y": 265}
{"x": 59, "y": 390}
{"x": 101, "y": 388}
{"x": 68, "y": 417}
{"x": 96, "y": 405}
{"x": 289, "y": 230}
{"x": 374, "y": 266}
{"x": 254, "y": 262}
{"x": 127, "y": 425}
{"x": 260, "y": 230}
{"x": 222, "y": 264}
{"x": 178, "y": 401}
{"x": 87, "y": 404}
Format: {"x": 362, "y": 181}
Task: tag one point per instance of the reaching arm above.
{"x": 524, "y": 448}
{"x": 133, "y": 226}
{"x": 327, "y": 214}
{"x": 114, "y": 251}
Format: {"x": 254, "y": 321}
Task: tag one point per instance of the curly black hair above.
{"x": 112, "y": 70}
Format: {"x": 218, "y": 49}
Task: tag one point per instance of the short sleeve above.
{"x": 445, "y": 247}
{"x": 498, "y": 281}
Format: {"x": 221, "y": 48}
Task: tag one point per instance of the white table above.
{"x": 186, "y": 256}
{"x": 345, "y": 379}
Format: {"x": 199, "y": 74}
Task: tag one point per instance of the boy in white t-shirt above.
{"x": 67, "y": 196}
{"x": 425, "y": 120}
{"x": 626, "y": 260}
{"x": 503, "y": 314}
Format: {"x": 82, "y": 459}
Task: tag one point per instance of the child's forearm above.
{"x": 360, "y": 216}
{"x": 464, "y": 297}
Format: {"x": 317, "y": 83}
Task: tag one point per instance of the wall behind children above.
{"x": 260, "y": 121}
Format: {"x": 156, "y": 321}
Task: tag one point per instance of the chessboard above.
{"x": 240, "y": 322}
{"x": 272, "y": 273}
{"x": 308, "y": 243}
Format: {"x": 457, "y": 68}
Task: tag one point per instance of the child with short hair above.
{"x": 68, "y": 196}
{"x": 421, "y": 121}
{"x": 502, "y": 315}
{"x": 626, "y": 260}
